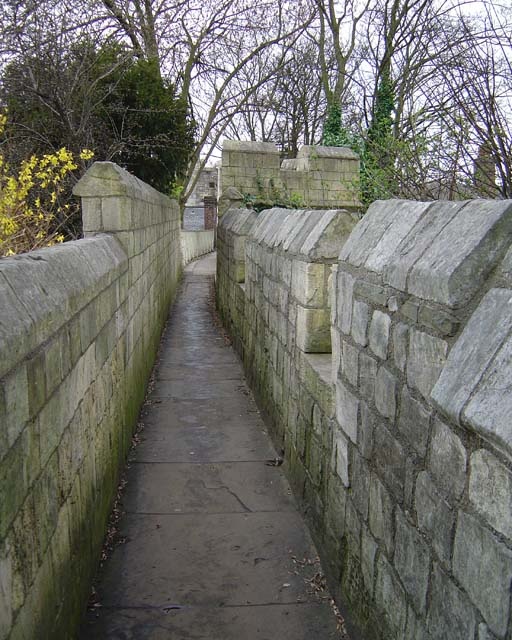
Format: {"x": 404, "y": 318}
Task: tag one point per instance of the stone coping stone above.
{"x": 238, "y": 221}
{"x": 44, "y": 289}
{"x": 474, "y": 386}
{"x": 437, "y": 251}
{"x": 104, "y": 179}
{"x": 315, "y": 233}
{"x": 246, "y": 146}
{"x": 314, "y": 151}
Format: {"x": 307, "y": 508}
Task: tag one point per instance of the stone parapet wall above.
{"x": 319, "y": 178}
{"x": 399, "y": 442}
{"x": 79, "y": 329}
{"x": 196, "y": 243}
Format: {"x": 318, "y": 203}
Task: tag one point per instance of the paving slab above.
{"x": 214, "y": 546}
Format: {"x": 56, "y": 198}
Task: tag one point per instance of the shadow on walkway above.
{"x": 215, "y": 548}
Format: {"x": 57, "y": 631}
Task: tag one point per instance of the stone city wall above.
{"x": 319, "y": 178}
{"x": 398, "y": 443}
{"x": 80, "y": 325}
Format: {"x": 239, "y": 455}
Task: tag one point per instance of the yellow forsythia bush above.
{"x": 30, "y": 209}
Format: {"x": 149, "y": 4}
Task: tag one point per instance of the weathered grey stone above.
{"x": 381, "y": 514}
{"x": 488, "y": 411}
{"x": 366, "y": 427}
{"x": 390, "y": 598}
{"x": 435, "y": 517}
{"x": 490, "y": 490}
{"x": 463, "y": 253}
{"x": 417, "y": 242}
{"x": 6, "y": 596}
{"x": 349, "y": 362}
{"x": 468, "y": 361}
{"x": 379, "y": 334}
{"x": 416, "y": 628}
{"x": 369, "y": 550}
{"x": 390, "y": 460}
{"x": 393, "y": 303}
{"x": 485, "y": 573}
{"x": 313, "y": 330}
{"x": 402, "y": 216}
{"x": 367, "y": 375}
{"x": 439, "y": 320}
{"x": 412, "y": 561}
{"x": 347, "y": 407}
{"x": 484, "y": 632}
{"x": 414, "y": 421}
{"x": 385, "y": 393}
{"x": 375, "y": 293}
{"x": 427, "y": 356}
{"x": 360, "y": 483}
{"x": 340, "y": 450}
{"x": 447, "y": 460}
{"x": 329, "y": 234}
{"x": 336, "y": 354}
{"x": 308, "y": 283}
{"x": 410, "y": 310}
{"x": 14, "y": 398}
{"x": 344, "y": 300}
{"x": 360, "y": 322}
{"x": 400, "y": 340}
{"x": 450, "y": 615}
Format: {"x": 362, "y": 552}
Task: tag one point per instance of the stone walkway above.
{"x": 215, "y": 547}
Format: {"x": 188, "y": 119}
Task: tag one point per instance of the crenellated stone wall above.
{"x": 80, "y": 325}
{"x": 319, "y": 178}
{"x": 399, "y": 442}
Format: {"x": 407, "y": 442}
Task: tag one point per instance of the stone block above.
{"x": 6, "y": 595}
{"x": 442, "y": 321}
{"x": 360, "y": 314}
{"x": 390, "y": 598}
{"x": 469, "y": 360}
{"x": 367, "y": 375}
{"x": 347, "y": 407}
{"x": 427, "y": 356}
{"x": 329, "y": 234}
{"x": 344, "y": 300}
{"x": 360, "y": 483}
{"x": 447, "y": 460}
{"x": 389, "y": 459}
{"x": 385, "y": 393}
{"x": 381, "y": 514}
{"x": 451, "y": 614}
{"x": 349, "y": 362}
{"x": 400, "y": 340}
{"x": 366, "y": 429}
{"x": 412, "y": 562}
{"x": 377, "y": 236}
{"x": 375, "y": 293}
{"x": 483, "y": 566}
{"x": 414, "y": 422}
{"x": 490, "y": 491}
{"x": 379, "y": 334}
{"x": 308, "y": 284}
{"x": 434, "y": 515}
{"x": 313, "y": 330}
{"x": 369, "y": 550}
{"x": 463, "y": 253}
{"x": 484, "y": 633}
{"x": 340, "y": 450}
{"x": 336, "y": 354}
{"x": 14, "y": 404}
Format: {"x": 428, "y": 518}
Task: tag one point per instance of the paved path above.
{"x": 214, "y": 544}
